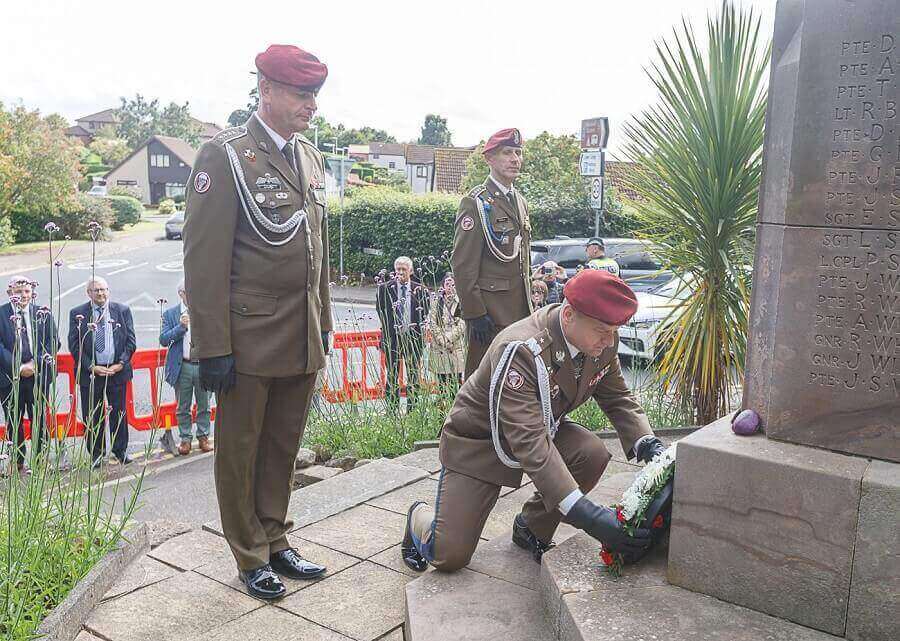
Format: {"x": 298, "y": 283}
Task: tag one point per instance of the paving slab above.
{"x": 84, "y": 635}
{"x": 363, "y": 602}
{"x": 396, "y": 635}
{"x": 874, "y": 614}
{"x": 143, "y": 572}
{"x": 502, "y": 559}
{"x": 316, "y": 502}
{"x": 270, "y": 623}
{"x": 390, "y": 558}
{"x": 765, "y": 524}
{"x": 362, "y": 531}
{"x": 173, "y": 609}
{"x": 670, "y": 613}
{"x": 224, "y": 570}
{"x": 399, "y": 500}
{"x": 191, "y": 550}
{"x": 315, "y": 474}
{"x": 574, "y": 566}
{"x": 504, "y": 513}
{"x": 471, "y": 606}
{"x": 427, "y": 459}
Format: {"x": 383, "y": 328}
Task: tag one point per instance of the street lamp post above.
{"x": 341, "y": 161}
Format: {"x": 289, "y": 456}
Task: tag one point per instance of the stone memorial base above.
{"x": 800, "y": 533}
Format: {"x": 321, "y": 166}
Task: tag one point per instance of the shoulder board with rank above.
{"x": 477, "y": 191}
{"x": 232, "y": 133}
{"x": 306, "y": 141}
{"x": 543, "y": 339}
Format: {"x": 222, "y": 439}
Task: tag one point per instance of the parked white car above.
{"x": 97, "y": 190}
{"x": 637, "y": 339}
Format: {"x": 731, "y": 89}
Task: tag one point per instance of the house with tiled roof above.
{"x": 80, "y": 133}
{"x": 87, "y": 127}
{"x": 390, "y": 155}
{"x": 618, "y": 174}
{"x": 420, "y": 168}
{"x": 93, "y": 123}
{"x": 450, "y": 168}
{"x": 160, "y": 168}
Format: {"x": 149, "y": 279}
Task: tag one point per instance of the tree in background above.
{"x": 435, "y": 131}
{"x": 39, "y": 164}
{"x": 700, "y": 156}
{"x": 328, "y": 134}
{"x": 557, "y": 194}
{"x": 107, "y": 144}
{"x": 239, "y": 116}
{"x": 139, "y": 119}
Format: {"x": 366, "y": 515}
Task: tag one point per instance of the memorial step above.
{"x": 582, "y": 602}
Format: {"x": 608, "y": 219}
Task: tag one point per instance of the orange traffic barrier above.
{"x": 368, "y": 385}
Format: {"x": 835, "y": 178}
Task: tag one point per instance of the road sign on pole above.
{"x": 597, "y": 192}
{"x": 592, "y": 163}
{"x": 594, "y": 133}
{"x": 594, "y": 136}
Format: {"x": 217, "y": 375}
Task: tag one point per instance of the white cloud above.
{"x": 483, "y": 65}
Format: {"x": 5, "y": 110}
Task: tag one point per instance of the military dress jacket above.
{"x": 466, "y": 445}
{"x": 258, "y": 288}
{"x": 485, "y": 283}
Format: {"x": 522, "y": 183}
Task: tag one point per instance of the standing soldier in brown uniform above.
{"x": 509, "y": 418}
{"x": 256, "y": 272}
{"x": 492, "y": 248}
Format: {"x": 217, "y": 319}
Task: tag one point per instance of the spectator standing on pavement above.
{"x": 27, "y": 337}
{"x": 597, "y": 258}
{"x": 552, "y": 275}
{"x": 402, "y": 306}
{"x": 183, "y": 374}
{"x": 102, "y": 342}
{"x": 447, "y": 357}
{"x": 539, "y": 293}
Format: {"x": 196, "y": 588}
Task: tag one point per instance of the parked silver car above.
{"x": 174, "y": 225}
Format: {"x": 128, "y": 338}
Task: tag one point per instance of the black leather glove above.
{"x": 601, "y": 523}
{"x": 325, "y": 343}
{"x": 217, "y": 374}
{"x": 483, "y": 329}
{"x": 649, "y": 448}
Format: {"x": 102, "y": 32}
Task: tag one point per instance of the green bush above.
{"x": 75, "y": 220}
{"x": 126, "y": 190}
{"x": 166, "y": 207}
{"x": 127, "y": 210}
{"x": 179, "y": 199}
{"x": 7, "y": 232}
{"x": 377, "y": 218}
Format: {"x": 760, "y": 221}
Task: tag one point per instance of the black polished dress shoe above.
{"x": 411, "y": 557}
{"x": 263, "y": 583}
{"x": 289, "y": 563}
{"x": 124, "y": 459}
{"x": 525, "y": 539}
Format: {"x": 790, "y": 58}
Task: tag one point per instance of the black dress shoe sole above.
{"x": 408, "y": 551}
{"x": 297, "y": 576}
{"x": 265, "y": 596}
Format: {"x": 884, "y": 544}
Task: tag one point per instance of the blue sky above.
{"x": 484, "y": 65}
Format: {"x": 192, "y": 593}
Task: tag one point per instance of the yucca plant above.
{"x": 699, "y": 156}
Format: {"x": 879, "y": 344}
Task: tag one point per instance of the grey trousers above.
{"x": 189, "y": 388}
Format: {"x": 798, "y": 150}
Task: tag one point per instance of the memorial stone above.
{"x": 823, "y": 365}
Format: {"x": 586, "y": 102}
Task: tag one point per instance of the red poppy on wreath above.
{"x": 606, "y": 558}
{"x": 619, "y": 515}
{"x": 658, "y": 522}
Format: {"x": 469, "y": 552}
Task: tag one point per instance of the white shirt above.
{"x": 503, "y": 190}
{"x": 406, "y": 317}
{"x": 187, "y": 335}
{"x": 277, "y": 138}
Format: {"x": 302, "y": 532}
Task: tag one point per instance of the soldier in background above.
{"x": 256, "y": 274}
{"x": 492, "y": 248}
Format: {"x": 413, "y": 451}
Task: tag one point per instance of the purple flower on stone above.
{"x": 745, "y": 423}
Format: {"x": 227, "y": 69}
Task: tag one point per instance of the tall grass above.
{"x": 56, "y": 522}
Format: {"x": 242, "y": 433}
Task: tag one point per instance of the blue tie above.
{"x": 100, "y": 336}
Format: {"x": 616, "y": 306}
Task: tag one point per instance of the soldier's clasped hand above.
{"x": 601, "y": 523}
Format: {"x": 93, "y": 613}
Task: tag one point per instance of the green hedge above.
{"x": 127, "y": 210}
{"x": 73, "y": 219}
{"x": 166, "y": 207}
{"x": 398, "y": 224}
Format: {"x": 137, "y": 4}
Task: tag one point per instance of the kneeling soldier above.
{"x": 509, "y": 418}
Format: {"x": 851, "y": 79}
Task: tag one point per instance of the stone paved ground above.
{"x": 186, "y": 588}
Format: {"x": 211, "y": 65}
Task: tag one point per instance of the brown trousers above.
{"x": 476, "y": 351}
{"x": 259, "y": 425}
{"x": 447, "y": 534}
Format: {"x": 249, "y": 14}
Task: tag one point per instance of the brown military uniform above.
{"x": 258, "y": 289}
{"x": 575, "y": 458}
{"x": 486, "y": 284}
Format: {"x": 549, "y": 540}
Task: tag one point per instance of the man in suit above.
{"x": 102, "y": 341}
{"x": 28, "y": 345}
{"x": 492, "y": 248}
{"x": 538, "y": 369}
{"x": 183, "y": 374}
{"x": 256, "y": 271}
{"x": 402, "y": 306}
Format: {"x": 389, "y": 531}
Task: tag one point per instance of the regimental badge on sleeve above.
{"x": 514, "y": 379}
{"x": 467, "y": 223}
{"x": 202, "y": 182}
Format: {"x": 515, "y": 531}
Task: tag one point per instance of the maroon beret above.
{"x": 292, "y": 66}
{"x": 599, "y": 294}
{"x": 503, "y": 138}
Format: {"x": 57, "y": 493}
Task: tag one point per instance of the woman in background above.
{"x": 448, "y": 350}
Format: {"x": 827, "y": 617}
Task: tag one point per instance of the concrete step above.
{"x": 582, "y": 602}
